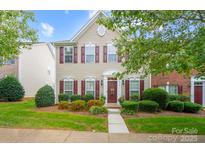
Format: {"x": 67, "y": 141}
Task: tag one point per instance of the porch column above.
{"x": 105, "y": 88}
{"x": 119, "y": 89}
{"x": 192, "y": 90}
{"x": 203, "y": 93}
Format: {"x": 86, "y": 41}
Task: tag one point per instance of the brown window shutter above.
{"x": 61, "y": 86}
{"x": 180, "y": 89}
{"x": 141, "y": 88}
{"x": 105, "y": 54}
{"x": 61, "y": 55}
{"x": 75, "y": 55}
{"x": 83, "y": 54}
{"x": 82, "y": 87}
{"x": 75, "y": 87}
{"x": 97, "y": 89}
{"x": 97, "y": 54}
{"x": 127, "y": 89}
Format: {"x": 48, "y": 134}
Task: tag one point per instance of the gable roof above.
{"x": 87, "y": 25}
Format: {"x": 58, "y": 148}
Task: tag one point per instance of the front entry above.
{"x": 112, "y": 91}
{"x": 198, "y": 93}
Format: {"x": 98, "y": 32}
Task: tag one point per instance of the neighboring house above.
{"x": 37, "y": 67}
{"x": 9, "y": 68}
{"x": 87, "y": 65}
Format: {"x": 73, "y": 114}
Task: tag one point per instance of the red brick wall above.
{"x": 9, "y": 69}
{"x": 173, "y": 79}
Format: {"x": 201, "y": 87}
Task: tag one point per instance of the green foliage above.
{"x": 134, "y": 97}
{"x": 102, "y": 99}
{"x": 175, "y": 38}
{"x": 75, "y": 97}
{"x": 87, "y": 97}
{"x": 15, "y": 27}
{"x": 176, "y": 106}
{"x": 78, "y": 105}
{"x": 121, "y": 99}
{"x": 127, "y": 112}
{"x": 158, "y": 95}
{"x": 45, "y": 96}
{"x": 94, "y": 103}
{"x": 192, "y": 107}
{"x": 182, "y": 98}
{"x": 148, "y": 106}
{"x": 130, "y": 105}
{"x": 11, "y": 89}
{"x": 63, "y": 97}
{"x": 98, "y": 110}
{"x": 64, "y": 106}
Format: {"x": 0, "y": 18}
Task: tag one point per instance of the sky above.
{"x": 59, "y": 25}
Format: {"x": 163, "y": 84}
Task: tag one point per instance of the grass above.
{"x": 22, "y": 115}
{"x": 164, "y": 124}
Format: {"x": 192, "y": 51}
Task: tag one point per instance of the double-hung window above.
{"x": 173, "y": 89}
{"x": 90, "y": 87}
{"x": 68, "y": 87}
{"x": 68, "y": 54}
{"x": 112, "y": 54}
{"x": 90, "y": 53}
{"x": 134, "y": 87}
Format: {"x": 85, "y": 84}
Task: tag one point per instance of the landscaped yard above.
{"x": 164, "y": 124}
{"x": 25, "y": 115}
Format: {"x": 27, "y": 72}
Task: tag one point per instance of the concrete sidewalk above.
{"x": 8, "y": 135}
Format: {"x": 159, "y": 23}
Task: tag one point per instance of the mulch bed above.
{"x": 164, "y": 113}
{"x": 55, "y": 109}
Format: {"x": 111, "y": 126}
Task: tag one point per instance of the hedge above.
{"x": 75, "y": 98}
{"x": 148, "y": 106}
{"x": 176, "y": 106}
{"x": 87, "y": 97}
{"x": 130, "y": 105}
{"x": 182, "y": 98}
{"x": 63, "y": 97}
{"x": 98, "y": 110}
{"x": 192, "y": 107}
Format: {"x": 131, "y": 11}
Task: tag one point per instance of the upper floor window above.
{"x": 112, "y": 54}
{"x": 134, "y": 87}
{"x": 90, "y": 87}
{"x": 90, "y": 53}
{"x": 68, "y": 87}
{"x": 68, "y": 54}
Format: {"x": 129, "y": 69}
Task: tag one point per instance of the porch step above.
{"x": 113, "y": 106}
{"x": 113, "y": 111}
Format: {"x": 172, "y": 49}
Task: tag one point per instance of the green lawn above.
{"x": 164, "y": 124}
{"x": 22, "y": 115}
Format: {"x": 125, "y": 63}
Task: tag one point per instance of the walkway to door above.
{"x": 116, "y": 123}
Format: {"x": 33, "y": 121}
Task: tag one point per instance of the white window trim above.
{"x": 90, "y": 79}
{"x": 72, "y": 85}
{"x": 134, "y": 79}
{"x": 90, "y": 45}
{"x": 72, "y": 54}
{"x": 111, "y": 44}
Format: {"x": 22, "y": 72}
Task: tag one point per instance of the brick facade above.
{"x": 9, "y": 69}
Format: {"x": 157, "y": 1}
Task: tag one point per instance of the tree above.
{"x": 159, "y": 41}
{"x": 15, "y": 33}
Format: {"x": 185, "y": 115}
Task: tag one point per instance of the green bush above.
{"x": 121, "y": 99}
{"x": 98, "y": 110}
{"x": 75, "y": 98}
{"x": 127, "y": 112}
{"x": 182, "y": 98}
{"x": 94, "y": 103}
{"x": 63, "y": 97}
{"x": 45, "y": 96}
{"x": 130, "y": 105}
{"x": 11, "y": 89}
{"x": 158, "y": 95}
{"x": 176, "y": 106}
{"x": 64, "y": 105}
{"x": 102, "y": 99}
{"x": 134, "y": 97}
{"x": 87, "y": 97}
{"x": 192, "y": 107}
{"x": 148, "y": 106}
{"x": 78, "y": 105}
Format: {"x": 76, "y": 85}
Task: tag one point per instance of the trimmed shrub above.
{"x": 192, "y": 107}
{"x": 63, "y": 97}
{"x": 45, "y": 96}
{"x": 87, "y": 97}
{"x": 78, "y": 105}
{"x": 94, "y": 103}
{"x": 121, "y": 99}
{"x": 148, "y": 106}
{"x": 11, "y": 89}
{"x": 176, "y": 106}
{"x": 102, "y": 99}
{"x": 74, "y": 98}
{"x": 128, "y": 112}
{"x": 130, "y": 105}
{"x": 64, "y": 106}
{"x": 182, "y": 98}
{"x": 98, "y": 110}
{"x": 158, "y": 95}
{"x": 134, "y": 97}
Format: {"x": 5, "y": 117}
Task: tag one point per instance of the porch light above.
{"x": 101, "y": 82}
